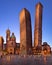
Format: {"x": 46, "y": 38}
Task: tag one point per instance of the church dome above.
{"x": 13, "y": 36}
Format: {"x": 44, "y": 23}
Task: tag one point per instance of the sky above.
{"x": 9, "y": 17}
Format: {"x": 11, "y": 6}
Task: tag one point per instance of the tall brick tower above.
{"x": 1, "y": 43}
{"x": 38, "y": 25}
{"x": 25, "y": 32}
{"x": 7, "y": 35}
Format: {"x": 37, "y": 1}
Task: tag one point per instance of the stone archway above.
{"x": 11, "y": 53}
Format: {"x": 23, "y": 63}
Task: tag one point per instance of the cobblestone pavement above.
{"x": 25, "y": 60}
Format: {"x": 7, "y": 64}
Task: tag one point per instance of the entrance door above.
{"x": 10, "y": 52}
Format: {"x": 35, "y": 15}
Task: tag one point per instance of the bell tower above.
{"x": 7, "y": 35}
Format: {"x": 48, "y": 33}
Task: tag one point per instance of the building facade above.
{"x": 10, "y": 42}
{"x": 46, "y": 49}
{"x": 1, "y": 43}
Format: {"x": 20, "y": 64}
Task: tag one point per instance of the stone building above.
{"x": 46, "y": 49}
{"x": 10, "y": 42}
{"x": 7, "y": 35}
{"x": 38, "y": 27}
{"x": 1, "y": 43}
{"x": 17, "y": 51}
{"x": 25, "y": 32}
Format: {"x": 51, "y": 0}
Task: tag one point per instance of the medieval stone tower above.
{"x": 38, "y": 25}
{"x": 25, "y": 32}
{"x": 1, "y": 43}
{"x": 7, "y": 35}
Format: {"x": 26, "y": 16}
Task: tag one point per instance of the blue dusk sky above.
{"x": 9, "y": 17}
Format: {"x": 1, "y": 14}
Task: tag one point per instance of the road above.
{"x": 26, "y": 60}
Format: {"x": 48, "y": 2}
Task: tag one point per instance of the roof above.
{"x": 39, "y": 3}
{"x": 8, "y": 30}
{"x": 13, "y": 36}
